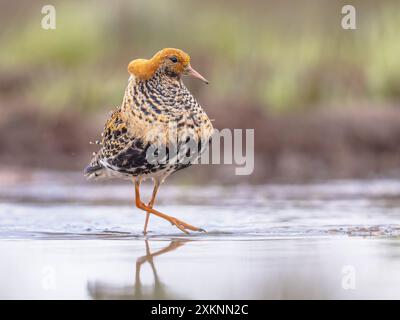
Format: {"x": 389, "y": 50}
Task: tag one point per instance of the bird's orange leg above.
{"x": 151, "y": 204}
{"x": 178, "y": 223}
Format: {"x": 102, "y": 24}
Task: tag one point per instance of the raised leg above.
{"x": 183, "y": 226}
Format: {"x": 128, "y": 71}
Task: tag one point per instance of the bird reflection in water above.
{"x": 158, "y": 290}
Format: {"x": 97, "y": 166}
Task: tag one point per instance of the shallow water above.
{"x": 72, "y": 239}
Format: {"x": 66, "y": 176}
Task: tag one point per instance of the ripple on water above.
{"x": 283, "y": 233}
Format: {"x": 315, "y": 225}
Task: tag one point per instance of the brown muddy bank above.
{"x": 339, "y": 143}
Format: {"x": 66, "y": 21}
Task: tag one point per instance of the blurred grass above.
{"x": 286, "y": 56}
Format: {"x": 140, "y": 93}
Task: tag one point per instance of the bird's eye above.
{"x": 174, "y": 59}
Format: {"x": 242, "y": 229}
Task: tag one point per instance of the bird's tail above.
{"x": 93, "y": 170}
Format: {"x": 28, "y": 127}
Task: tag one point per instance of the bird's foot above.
{"x": 183, "y": 226}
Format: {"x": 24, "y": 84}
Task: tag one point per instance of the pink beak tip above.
{"x": 197, "y": 75}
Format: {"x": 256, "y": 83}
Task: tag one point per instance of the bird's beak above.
{"x": 191, "y": 72}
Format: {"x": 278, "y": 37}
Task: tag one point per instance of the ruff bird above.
{"x": 158, "y": 129}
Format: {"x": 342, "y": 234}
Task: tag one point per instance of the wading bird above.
{"x": 149, "y": 134}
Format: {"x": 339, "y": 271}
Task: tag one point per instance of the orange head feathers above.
{"x": 172, "y": 62}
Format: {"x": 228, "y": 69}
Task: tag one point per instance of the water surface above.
{"x": 72, "y": 239}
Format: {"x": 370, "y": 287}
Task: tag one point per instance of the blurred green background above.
{"x": 324, "y": 102}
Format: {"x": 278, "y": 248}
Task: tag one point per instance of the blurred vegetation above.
{"x": 291, "y": 55}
